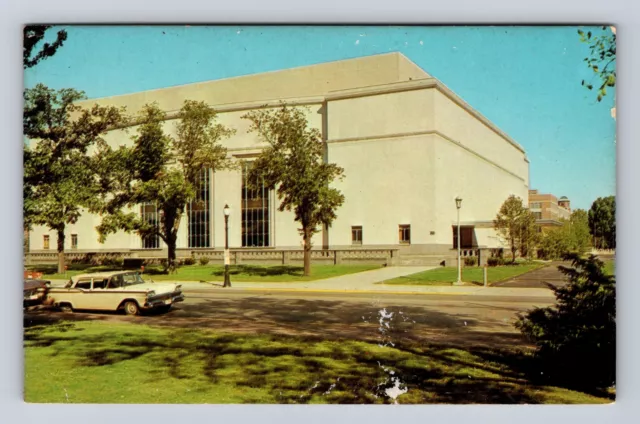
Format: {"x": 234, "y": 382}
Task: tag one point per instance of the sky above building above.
{"x": 526, "y": 80}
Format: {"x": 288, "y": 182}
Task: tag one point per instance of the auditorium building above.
{"x": 408, "y": 145}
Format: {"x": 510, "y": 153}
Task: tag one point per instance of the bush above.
{"x": 189, "y": 261}
{"x": 576, "y": 338}
{"x": 204, "y": 260}
{"x": 470, "y": 261}
{"x": 495, "y": 261}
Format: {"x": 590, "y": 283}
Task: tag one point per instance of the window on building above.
{"x": 467, "y": 236}
{"x": 536, "y": 205}
{"x": 404, "y": 234}
{"x": 256, "y": 212}
{"x": 45, "y": 242}
{"x": 149, "y": 213}
{"x": 356, "y": 235}
{"x": 198, "y": 212}
{"x": 74, "y": 241}
{"x": 537, "y": 215}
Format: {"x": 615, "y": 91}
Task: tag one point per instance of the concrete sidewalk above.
{"x": 365, "y": 282}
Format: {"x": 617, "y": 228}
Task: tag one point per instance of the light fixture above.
{"x": 227, "y": 210}
{"x": 458, "y": 202}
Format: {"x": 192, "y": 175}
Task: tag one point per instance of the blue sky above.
{"x": 524, "y": 79}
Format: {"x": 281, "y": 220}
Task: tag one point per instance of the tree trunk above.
{"x": 61, "y": 250}
{"x": 171, "y": 257}
{"x": 307, "y": 253}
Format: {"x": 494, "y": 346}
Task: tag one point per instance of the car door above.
{"x": 101, "y": 297}
{"x": 80, "y": 295}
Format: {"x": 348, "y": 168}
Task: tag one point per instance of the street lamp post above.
{"x": 227, "y": 256}
{"x": 458, "y": 206}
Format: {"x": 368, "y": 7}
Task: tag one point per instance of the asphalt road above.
{"x": 537, "y": 278}
{"x": 435, "y": 318}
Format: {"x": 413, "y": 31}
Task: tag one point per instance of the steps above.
{"x": 425, "y": 260}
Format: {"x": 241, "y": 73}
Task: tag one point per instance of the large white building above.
{"x": 408, "y": 145}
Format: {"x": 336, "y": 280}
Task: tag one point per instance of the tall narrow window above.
{"x": 74, "y": 241}
{"x": 149, "y": 213}
{"x": 45, "y": 242}
{"x": 198, "y": 212}
{"x": 356, "y": 235}
{"x": 255, "y": 212}
{"x": 404, "y": 234}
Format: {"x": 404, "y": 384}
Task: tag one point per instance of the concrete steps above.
{"x": 426, "y": 260}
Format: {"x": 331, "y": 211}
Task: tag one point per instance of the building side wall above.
{"x": 380, "y": 115}
{"x": 388, "y": 182}
{"x": 461, "y": 126}
{"x": 482, "y": 185}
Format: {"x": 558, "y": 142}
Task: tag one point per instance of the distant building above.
{"x": 548, "y": 209}
{"x": 409, "y": 146}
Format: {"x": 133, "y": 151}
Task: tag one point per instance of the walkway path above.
{"x": 365, "y": 282}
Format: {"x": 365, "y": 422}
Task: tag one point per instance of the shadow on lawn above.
{"x": 270, "y": 344}
{"x": 283, "y": 367}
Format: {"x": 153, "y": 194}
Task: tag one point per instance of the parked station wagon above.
{"x": 112, "y": 291}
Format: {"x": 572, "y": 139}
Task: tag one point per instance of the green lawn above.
{"x": 610, "y": 267}
{"x": 102, "y": 362}
{"x": 216, "y": 272}
{"x": 445, "y": 276}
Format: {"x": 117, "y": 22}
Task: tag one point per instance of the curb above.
{"x": 378, "y": 292}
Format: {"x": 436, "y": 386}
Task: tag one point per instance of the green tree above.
{"x": 555, "y": 242}
{"x": 579, "y": 331}
{"x": 159, "y": 169}
{"x": 580, "y": 237}
{"x": 601, "y": 59}
{"x": 529, "y": 234}
{"x": 602, "y": 222}
{"x": 33, "y": 34}
{"x": 293, "y": 165}
{"x": 58, "y": 179}
{"x": 516, "y": 224}
{"x": 572, "y": 237}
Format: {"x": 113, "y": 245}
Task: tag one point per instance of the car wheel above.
{"x": 131, "y": 308}
{"x": 66, "y": 308}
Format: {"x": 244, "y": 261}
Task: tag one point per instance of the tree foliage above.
{"x": 572, "y": 237}
{"x": 602, "y": 222}
{"x": 34, "y": 34}
{"x": 517, "y": 225}
{"x": 601, "y": 59}
{"x": 576, "y": 338}
{"x": 160, "y": 170}
{"x": 58, "y": 178}
{"x": 293, "y": 165}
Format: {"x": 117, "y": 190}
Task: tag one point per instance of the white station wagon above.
{"x": 112, "y": 291}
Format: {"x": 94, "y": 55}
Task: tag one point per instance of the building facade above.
{"x": 548, "y": 209}
{"x": 408, "y": 145}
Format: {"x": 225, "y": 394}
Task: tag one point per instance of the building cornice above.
{"x": 240, "y": 107}
{"x": 421, "y": 84}
{"x": 426, "y": 132}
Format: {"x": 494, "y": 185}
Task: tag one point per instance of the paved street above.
{"x": 537, "y": 278}
{"x": 458, "y": 319}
